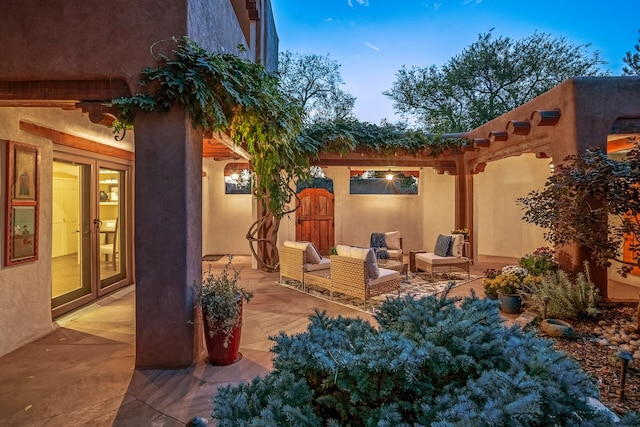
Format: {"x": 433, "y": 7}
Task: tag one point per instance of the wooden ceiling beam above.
{"x": 69, "y": 140}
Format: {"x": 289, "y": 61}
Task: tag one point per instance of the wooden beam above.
{"x": 69, "y": 140}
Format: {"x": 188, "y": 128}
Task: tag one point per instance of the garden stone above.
{"x": 557, "y": 328}
{"x": 626, "y": 347}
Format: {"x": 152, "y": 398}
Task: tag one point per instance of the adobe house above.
{"x": 503, "y": 159}
{"x": 161, "y": 189}
{"x": 139, "y": 193}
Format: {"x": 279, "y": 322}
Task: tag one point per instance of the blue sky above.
{"x": 373, "y": 39}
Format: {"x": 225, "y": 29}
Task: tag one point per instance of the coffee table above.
{"x": 398, "y": 266}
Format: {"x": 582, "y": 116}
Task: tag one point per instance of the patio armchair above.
{"x": 298, "y": 258}
{"x": 448, "y": 254}
{"x": 355, "y": 272}
{"x": 388, "y": 245}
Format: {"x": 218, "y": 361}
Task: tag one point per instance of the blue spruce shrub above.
{"x": 430, "y": 362}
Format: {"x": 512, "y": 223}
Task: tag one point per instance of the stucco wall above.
{"x": 226, "y": 218}
{"x": 25, "y": 289}
{"x": 439, "y": 206}
{"x": 418, "y": 218}
{"x": 118, "y": 43}
{"x": 213, "y": 24}
{"x": 29, "y": 284}
{"x": 500, "y": 230}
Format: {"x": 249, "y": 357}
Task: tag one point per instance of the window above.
{"x": 237, "y": 178}
{"x": 384, "y": 182}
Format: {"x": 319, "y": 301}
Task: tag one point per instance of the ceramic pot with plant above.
{"x": 506, "y": 286}
{"x": 221, "y": 300}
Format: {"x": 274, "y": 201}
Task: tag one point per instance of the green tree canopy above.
{"x": 633, "y": 62}
{"x": 594, "y": 201}
{"x": 314, "y": 81}
{"x": 487, "y": 79}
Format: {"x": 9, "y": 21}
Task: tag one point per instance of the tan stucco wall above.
{"x": 500, "y": 230}
{"x": 439, "y": 206}
{"x": 418, "y": 218}
{"x": 29, "y": 284}
{"x": 226, "y": 218}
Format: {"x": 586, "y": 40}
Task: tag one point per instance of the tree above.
{"x": 633, "y": 62}
{"x": 315, "y": 82}
{"x": 593, "y": 201}
{"x": 487, "y": 79}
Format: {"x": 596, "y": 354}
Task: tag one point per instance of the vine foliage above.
{"x": 225, "y": 93}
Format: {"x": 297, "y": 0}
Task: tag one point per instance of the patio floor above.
{"x": 83, "y": 372}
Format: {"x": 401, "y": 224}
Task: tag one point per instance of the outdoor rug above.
{"x": 419, "y": 285}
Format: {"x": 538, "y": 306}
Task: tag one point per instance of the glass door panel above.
{"x": 111, "y": 226}
{"x": 71, "y": 232}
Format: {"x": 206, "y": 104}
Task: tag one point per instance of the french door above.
{"x": 89, "y": 244}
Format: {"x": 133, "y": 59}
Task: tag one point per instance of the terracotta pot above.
{"x": 510, "y": 303}
{"x": 219, "y": 354}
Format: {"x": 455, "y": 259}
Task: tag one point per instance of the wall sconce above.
{"x": 389, "y": 175}
{"x": 552, "y": 168}
{"x": 235, "y": 173}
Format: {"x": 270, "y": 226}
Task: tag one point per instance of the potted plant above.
{"x": 220, "y": 299}
{"x": 506, "y": 286}
{"x": 464, "y": 231}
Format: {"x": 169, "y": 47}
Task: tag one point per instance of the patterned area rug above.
{"x": 416, "y": 284}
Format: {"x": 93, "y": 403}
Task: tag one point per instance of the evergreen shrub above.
{"x": 567, "y": 299}
{"x": 432, "y": 361}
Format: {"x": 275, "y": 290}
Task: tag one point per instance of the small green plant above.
{"x": 333, "y": 251}
{"x": 218, "y": 297}
{"x": 567, "y": 299}
{"x": 433, "y": 361}
{"x": 540, "y": 262}
{"x": 464, "y": 231}
{"x": 507, "y": 281}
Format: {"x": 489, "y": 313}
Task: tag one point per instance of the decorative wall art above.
{"x": 23, "y": 185}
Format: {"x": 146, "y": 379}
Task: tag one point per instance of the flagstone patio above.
{"x": 83, "y": 372}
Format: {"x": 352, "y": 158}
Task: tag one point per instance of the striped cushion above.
{"x": 442, "y": 245}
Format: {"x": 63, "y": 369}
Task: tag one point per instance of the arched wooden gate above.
{"x": 315, "y": 218}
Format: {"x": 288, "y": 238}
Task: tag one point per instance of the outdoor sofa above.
{"x": 353, "y": 271}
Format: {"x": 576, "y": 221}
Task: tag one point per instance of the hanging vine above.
{"x": 223, "y": 92}
{"x": 226, "y": 93}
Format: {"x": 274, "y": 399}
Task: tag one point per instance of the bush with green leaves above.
{"x": 432, "y": 361}
{"x": 566, "y": 298}
{"x": 539, "y": 262}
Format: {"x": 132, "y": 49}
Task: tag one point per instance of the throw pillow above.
{"x": 456, "y": 248}
{"x": 381, "y": 253}
{"x": 393, "y": 239}
{"x": 442, "y": 245}
{"x": 313, "y": 254}
{"x": 373, "y": 271}
{"x": 377, "y": 240}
